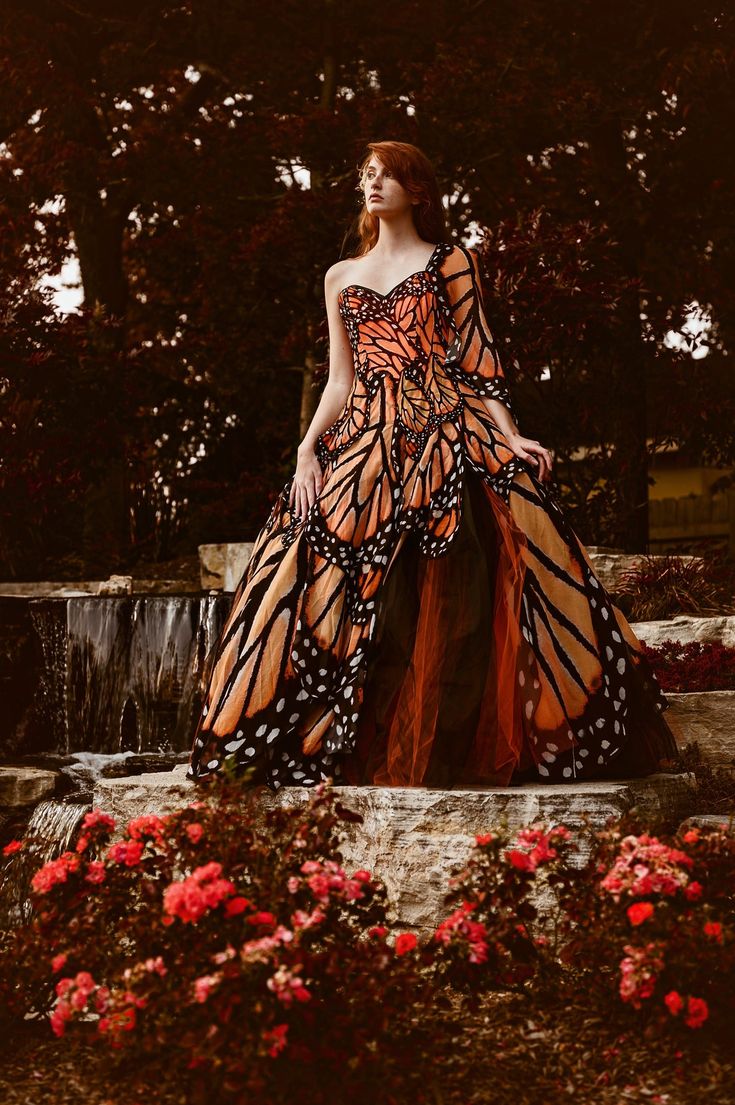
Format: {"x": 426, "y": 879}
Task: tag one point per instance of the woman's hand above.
{"x": 528, "y": 449}
{"x": 307, "y": 481}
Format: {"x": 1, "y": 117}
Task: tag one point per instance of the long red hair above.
{"x": 413, "y": 170}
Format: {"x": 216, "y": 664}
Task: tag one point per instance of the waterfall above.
{"x": 51, "y": 830}
{"x": 124, "y": 673}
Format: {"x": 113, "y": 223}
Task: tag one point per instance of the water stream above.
{"x": 51, "y": 829}
{"x": 123, "y": 674}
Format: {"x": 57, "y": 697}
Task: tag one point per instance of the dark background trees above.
{"x": 199, "y": 160}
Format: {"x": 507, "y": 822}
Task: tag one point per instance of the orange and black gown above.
{"x": 433, "y": 619}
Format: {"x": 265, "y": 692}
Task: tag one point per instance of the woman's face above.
{"x": 383, "y": 194}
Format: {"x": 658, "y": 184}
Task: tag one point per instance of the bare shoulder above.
{"x": 335, "y": 275}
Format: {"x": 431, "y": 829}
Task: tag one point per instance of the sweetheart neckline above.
{"x": 386, "y": 295}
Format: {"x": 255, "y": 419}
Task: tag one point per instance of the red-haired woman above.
{"x": 417, "y": 610}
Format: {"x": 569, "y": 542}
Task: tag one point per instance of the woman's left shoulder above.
{"x": 457, "y": 258}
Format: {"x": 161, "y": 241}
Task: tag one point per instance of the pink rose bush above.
{"x": 654, "y": 919}
{"x": 232, "y": 939}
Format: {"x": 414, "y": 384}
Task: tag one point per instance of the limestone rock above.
{"x": 212, "y": 566}
{"x": 24, "y": 786}
{"x": 708, "y": 821}
{"x": 411, "y": 837}
{"x": 237, "y": 557}
{"x": 686, "y": 628}
{"x": 116, "y": 585}
{"x": 707, "y": 717}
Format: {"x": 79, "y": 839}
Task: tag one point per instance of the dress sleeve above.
{"x": 472, "y": 358}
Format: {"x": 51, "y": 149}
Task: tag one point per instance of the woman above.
{"x": 417, "y": 611}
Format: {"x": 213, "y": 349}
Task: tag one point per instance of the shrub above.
{"x": 230, "y": 939}
{"x": 663, "y": 586}
{"x": 696, "y": 666}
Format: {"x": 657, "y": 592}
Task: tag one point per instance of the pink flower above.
{"x": 522, "y": 861}
{"x": 55, "y": 872}
{"x": 714, "y": 930}
{"x": 190, "y": 898}
{"x": 639, "y": 912}
{"x": 674, "y": 1002}
{"x": 96, "y": 819}
{"x": 13, "y": 846}
{"x": 156, "y": 966}
{"x": 693, "y": 892}
{"x": 288, "y": 987}
{"x": 59, "y": 961}
{"x": 148, "y": 825}
{"x": 95, "y": 872}
{"x": 84, "y": 981}
{"x": 697, "y": 1012}
{"x": 204, "y": 985}
{"x": 194, "y": 832}
{"x": 127, "y": 852}
{"x": 302, "y": 920}
{"x": 362, "y": 876}
{"x": 58, "y": 1018}
{"x": 406, "y": 942}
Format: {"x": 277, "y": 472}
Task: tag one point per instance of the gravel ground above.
{"x": 506, "y": 1054}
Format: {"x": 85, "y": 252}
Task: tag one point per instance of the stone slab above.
{"x": 707, "y": 717}
{"x": 686, "y": 628}
{"x": 65, "y": 589}
{"x": 25, "y": 786}
{"x": 237, "y": 557}
{"x": 709, "y": 821}
{"x": 412, "y": 837}
{"x": 212, "y": 566}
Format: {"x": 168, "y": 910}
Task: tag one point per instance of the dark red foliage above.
{"x": 695, "y": 666}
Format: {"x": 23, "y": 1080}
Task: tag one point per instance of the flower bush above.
{"x": 231, "y": 939}
{"x": 653, "y": 920}
{"x": 495, "y": 938}
{"x": 695, "y": 666}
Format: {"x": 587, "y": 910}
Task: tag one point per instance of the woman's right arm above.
{"x": 307, "y": 482}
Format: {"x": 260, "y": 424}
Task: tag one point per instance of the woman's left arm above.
{"x": 476, "y": 362}
{"x": 525, "y": 447}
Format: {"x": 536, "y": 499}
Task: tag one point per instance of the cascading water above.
{"x": 51, "y": 829}
{"x": 124, "y": 673}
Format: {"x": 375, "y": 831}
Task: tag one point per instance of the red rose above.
{"x": 639, "y": 912}
{"x": 714, "y": 929}
{"x": 674, "y": 1002}
{"x": 236, "y": 905}
{"x": 697, "y": 1012}
{"x": 406, "y": 942}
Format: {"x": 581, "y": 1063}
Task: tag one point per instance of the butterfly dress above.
{"x": 432, "y": 620}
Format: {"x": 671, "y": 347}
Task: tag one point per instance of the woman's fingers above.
{"x": 536, "y": 454}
